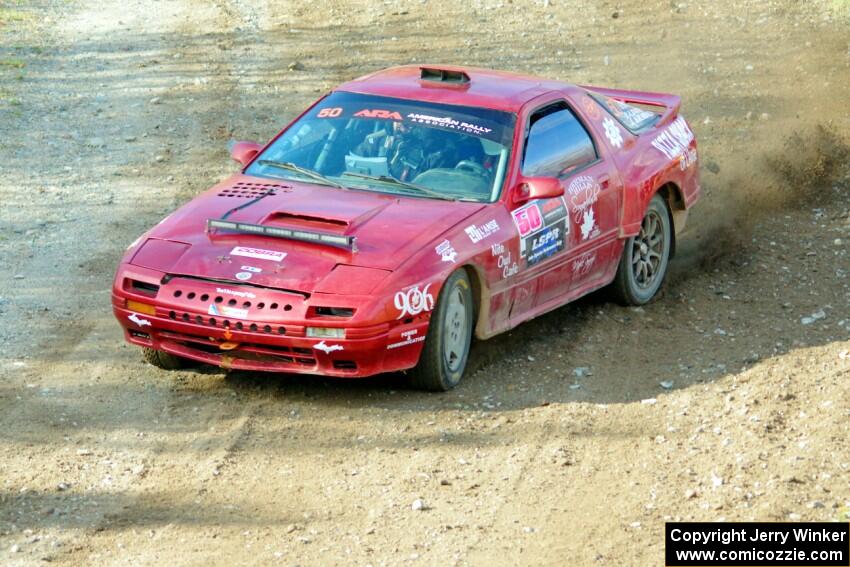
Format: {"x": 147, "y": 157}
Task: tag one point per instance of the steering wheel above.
{"x": 472, "y": 166}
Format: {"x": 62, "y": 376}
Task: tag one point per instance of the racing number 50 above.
{"x": 528, "y": 219}
{"x": 329, "y": 112}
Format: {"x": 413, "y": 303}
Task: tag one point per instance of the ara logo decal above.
{"x": 327, "y": 349}
{"x": 366, "y": 113}
{"x": 138, "y": 320}
{"x": 413, "y": 301}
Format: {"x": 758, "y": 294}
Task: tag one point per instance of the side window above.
{"x": 556, "y": 143}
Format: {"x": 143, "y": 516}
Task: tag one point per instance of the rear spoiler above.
{"x": 670, "y": 102}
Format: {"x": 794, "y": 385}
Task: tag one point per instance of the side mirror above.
{"x": 532, "y": 188}
{"x": 244, "y": 152}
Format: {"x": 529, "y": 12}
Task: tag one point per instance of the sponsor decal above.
{"x": 478, "y": 233}
{"x": 378, "y": 113}
{"x": 225, "y": 291}
{"x": 543, "y": 228}
{"x": 583, "y": 264}
{"x": 327, "y": 349}
{"x": 251, "y": 269}
{"x": 134, "y": 317}
{"x": 258, "y": 253}
{"x": 448, "y": 122}
{"x": 408, "y": 338}
{"x": 225, "y": 311}
{"x": 413, "y": 301}
{"x": 244, "y": 276}
{"x": 591, "y": 108}
{"x": 612, "y": 132}
{"x": 583, "y": 192}
{"x": 504, "y": 262}
{"x": 675, "y": 140}
{"x": 588, "y": 224}
{"x": 446, "y": 251}
{"x": 687, "y": 159}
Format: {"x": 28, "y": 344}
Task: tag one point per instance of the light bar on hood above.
{"x": 302, "y": 235}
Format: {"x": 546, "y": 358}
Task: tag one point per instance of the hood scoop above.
{"x": 307, "y": 221}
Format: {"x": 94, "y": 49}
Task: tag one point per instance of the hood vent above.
{"x": 253, "y": 190}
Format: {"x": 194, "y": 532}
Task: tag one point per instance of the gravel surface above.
{"x": 572, "y": 439}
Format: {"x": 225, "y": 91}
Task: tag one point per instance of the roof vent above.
{"x": 443, "y": 75}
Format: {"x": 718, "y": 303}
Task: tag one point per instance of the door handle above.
{"x": 603, "y": 181}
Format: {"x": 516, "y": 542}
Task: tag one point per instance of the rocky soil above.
{"x": 573, "y": 439}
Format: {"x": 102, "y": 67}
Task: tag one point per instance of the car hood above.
{"x": 388, "y": 229}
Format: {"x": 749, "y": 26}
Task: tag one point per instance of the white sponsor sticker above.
{"x": 258, "y": 253}
{"x": 226, "y": 291}
{"x": 612, "y": 132}
{"x": 327, "y": 349}
{"x": 408, "y": 338}
{"x": 480, "y": 232}
{"x": 244, "y": 276}
{"x": 251, "y": 269}
{"x": 225, "y": 311}
{"x": 588, "y": 224}
{"x": 675, "y": 141}
{"x": 446, "y": 251}
{"x": 138, "y": 320}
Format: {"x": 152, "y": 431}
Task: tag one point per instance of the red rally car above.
{"x": 406, "y": 211}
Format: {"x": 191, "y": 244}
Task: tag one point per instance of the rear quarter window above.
{"x": 633, "y": 118}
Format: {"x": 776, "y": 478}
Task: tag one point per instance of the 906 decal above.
{"x": 413, "y": 301}
{"x": 543, "y": 229}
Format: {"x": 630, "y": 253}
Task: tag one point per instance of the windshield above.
{"x": 395, "y": 146}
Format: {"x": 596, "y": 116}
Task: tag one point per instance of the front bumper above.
{"x": 261, "y": 341}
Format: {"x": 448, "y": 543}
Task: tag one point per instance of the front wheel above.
{"x": 446, "y": 349}
{"x": 643, "y": 265}
{"x": 165, "y": 360}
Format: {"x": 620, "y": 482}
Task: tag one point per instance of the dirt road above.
{"x": 563, "y": 446}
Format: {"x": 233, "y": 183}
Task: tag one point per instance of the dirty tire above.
{"x": 164, "y": 360}
{"x": 446, "y": 349}
{"x": 643, "y": 264}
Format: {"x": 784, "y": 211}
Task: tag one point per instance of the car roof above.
{"x": 498, "y": 90}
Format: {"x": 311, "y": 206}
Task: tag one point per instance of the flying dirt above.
{"x": 572, "y": 438}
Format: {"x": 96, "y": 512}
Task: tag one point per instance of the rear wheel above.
{"x": 643, "y": 265}
{"x": 165, "y": 360}
{"x": 446, "y": 349}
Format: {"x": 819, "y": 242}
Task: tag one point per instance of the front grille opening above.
{"x": 226, "y": 324}
{"x": 333, "y": 312}
{"x": 144, "y": 288}
{"x": 139, "y": 334}
{"x": 345, "y": 365}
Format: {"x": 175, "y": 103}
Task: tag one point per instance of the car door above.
{"x": 563, "y": 233}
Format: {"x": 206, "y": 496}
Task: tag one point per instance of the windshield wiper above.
{"x": 393, "y": 181}
{"x": 314, "y": 175}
